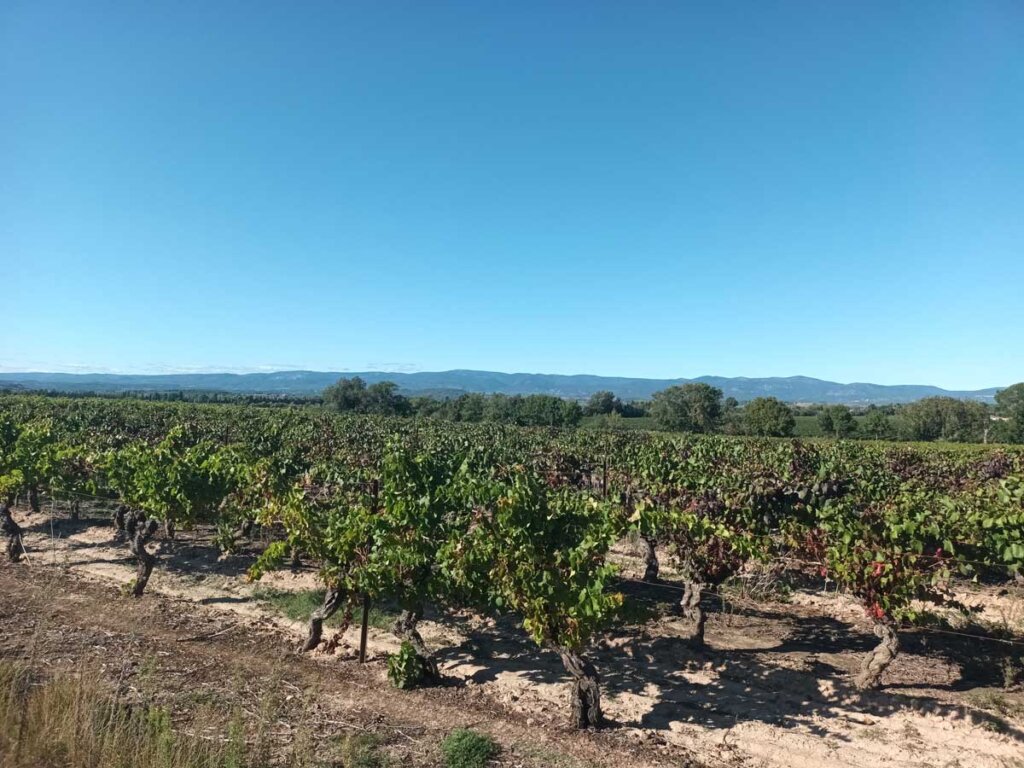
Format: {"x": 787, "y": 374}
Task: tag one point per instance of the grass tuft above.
{"x": 364, "y": 750}
{"x": 999, "y": 702}
{"x": 464, "y": 748}
{"x": 298, "y": 606}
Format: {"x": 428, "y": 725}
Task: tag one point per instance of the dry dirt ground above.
{"x": 773, "y": 689}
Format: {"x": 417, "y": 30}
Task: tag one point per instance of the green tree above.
{"x": 352, "y": 395}
{"x": 945, "y": 418}
{"x": 1010, "y": 405}
{"x": 732, "y": 421}
{"x": 428, "y": 406}
{"x": 501, "y": 408}
{"x": 837, "y": 421}
{"x": 548, "y": 411}
{"x": 768, "y": 417}
{"x": 689, "y": 408}
{"x": 694, "y": 407}
{"x": 825, "y": 422}
{"x": 383, "y": 398}
{"x": 876, "y": 425}
{"x": 470, "y": 407}
{"x": 601, "y": 403}
{"x": 634, "y": 409}
{"x": 346, "y": 394}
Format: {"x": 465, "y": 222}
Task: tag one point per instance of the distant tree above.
{"x": 383, "y": 398}
{"x": 428, "y": 406}
{"x": 731, "y": 421}
{"x": 837, "y": 421}
{"x": 471, "y": 407}
{"x": 352, "y": 395}
{"x": 572, "y": 413}
{"x": 825, "y": 422}
{"x": 944, "y": 418}
{"x": 346, "y": 394}
{"x": 501, "y": 408}
{"x": 876, "y": 425}
{"x": 534, "y": 410}
{"x": 694, "y": 407}
{"x": 1010, "y": 405}
{"x": 975, "y": 422}
{"x": 602, "y": 403}
{"x": 539, "y": 411}
{"x": 768, "y": 417}
{"x": 634, "y": 409}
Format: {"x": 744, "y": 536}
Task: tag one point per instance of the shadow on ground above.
{"x": 788, "y": 677}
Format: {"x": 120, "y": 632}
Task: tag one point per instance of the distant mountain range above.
{"x": 793, "y": 389}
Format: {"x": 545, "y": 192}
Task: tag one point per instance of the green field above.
{"x": 618, "y": 423}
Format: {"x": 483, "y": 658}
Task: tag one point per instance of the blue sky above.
{"x": 649, "y": 189}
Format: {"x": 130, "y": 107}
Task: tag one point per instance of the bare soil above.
{"x": 774, "y": 688}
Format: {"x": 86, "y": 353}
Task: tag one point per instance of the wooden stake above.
{"x": 362, "y": 631}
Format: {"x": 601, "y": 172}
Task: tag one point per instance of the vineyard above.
{"x": 563, "y": 533}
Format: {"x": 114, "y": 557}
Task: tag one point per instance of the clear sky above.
{"x": 660, "y": 189}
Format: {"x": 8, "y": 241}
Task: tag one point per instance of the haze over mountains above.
{"x": 793, "y": 389}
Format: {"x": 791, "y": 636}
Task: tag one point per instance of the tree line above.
{"x": 383, "y": 399}
{"x": 212, "y": 396}
{"x": 701, "y": 408}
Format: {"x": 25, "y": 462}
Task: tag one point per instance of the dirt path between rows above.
{"x": 178, "y": 653}
{"x": 774, "y": 691}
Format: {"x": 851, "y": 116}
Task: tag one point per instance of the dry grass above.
{"x": 72, "y": 721}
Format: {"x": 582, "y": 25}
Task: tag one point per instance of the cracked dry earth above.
{"x": 773, "y": 689}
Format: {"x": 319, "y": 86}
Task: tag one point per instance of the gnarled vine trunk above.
{"x": 13, "y": 532}
{"x": 585, "y": 695}
{"x": 140, "y": 531}
{"x": 118, "y": 519}
{"x": 33, "y": 498}
{"x": 169, "y": 528}
{"x": 691, "y": 608}
{"x": 74, "y": 511}
{"x": 405, "y": 629}
{"x": 332, "y": 600}
{"x": 650, "y": 555}
{"x": 880, "y": 657}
